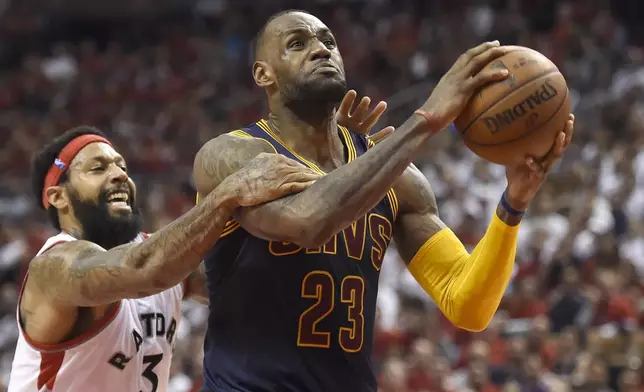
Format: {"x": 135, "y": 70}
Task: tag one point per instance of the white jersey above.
{"x": 129, "y": 350}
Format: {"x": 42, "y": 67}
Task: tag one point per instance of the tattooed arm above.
{"x": 223, "y": 156}
{"x": 466, "y": 287}
{"x": 332, "y": 203}
{"x": 81, "y": 273}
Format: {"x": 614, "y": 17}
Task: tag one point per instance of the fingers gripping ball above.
{"x": 521, "y": 116}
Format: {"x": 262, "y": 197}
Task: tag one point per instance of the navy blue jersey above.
{"x": 283, "y": 318}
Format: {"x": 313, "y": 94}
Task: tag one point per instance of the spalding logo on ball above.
{"x": 545, "y": 93}
{"x": 507, "y": 121}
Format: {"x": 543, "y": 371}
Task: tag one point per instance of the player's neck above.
{"x": 315, "y": 136}
{"x": 69, "y": 226}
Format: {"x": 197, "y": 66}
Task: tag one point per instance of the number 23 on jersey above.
{"x": 320, "y": 286}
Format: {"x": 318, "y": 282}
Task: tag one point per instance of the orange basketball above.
{"x": 506, "y": 122}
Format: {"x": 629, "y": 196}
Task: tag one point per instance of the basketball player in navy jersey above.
{"x": 94, "y": 291}
{"x": 293, "y": 282}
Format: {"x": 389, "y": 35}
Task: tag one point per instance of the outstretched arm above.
{"x": 335, "y": 201}
{"x": 81, "y": 273}
{"x": 466, "y": 287}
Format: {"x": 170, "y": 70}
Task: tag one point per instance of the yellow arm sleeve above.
{"x": 467, "y": 287}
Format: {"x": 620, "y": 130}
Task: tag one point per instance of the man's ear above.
{"x": 263, "y": 74}
{"x": 57, "y": 197}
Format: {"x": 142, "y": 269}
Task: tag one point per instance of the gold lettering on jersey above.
{"x": 279, "y": 248}
{"x": 355, "y": 237}
{"x": 376, "y": 226}
{"x": 314, "y": 251}
{"x": 330, "y": 248}
{"x": 380, "y": 230}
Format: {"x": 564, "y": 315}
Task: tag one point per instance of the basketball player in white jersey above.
{"x": 99, "y": 307}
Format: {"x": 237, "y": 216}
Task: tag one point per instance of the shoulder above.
{"x": 56, "y": 262}
{"x": 231, "y": 145}
{"x": 54, "y": 269}
{"x": 224, "y": 155}
{"x": 414, "y": 192}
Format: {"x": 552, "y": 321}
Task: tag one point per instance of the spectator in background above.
{"x": 537, "y": 378}
{"x": 570, "y": 307}
{"x": 595, "y": 378}
{"x": 630, "y": 381}
{"x": 478, "y": 378}
{"x": 421, "y": 364}
{"x": 394, "y": 376}
{"x": 568, "y": 353}
{"x": 476, "y": 361}
{"x": 526, "y": 303}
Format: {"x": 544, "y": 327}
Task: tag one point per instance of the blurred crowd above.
{"x": 571, "y": 319}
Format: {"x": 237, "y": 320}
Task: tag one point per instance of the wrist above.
{"x": 507, "y": 213}
{"x": 430, "y": 121}
{"x": 513, "y": 205}
{"x": 227, "y": 195}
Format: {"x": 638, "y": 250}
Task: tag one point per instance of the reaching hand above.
{"x": 525, "y": 180}
{"x": 269, "y": 177}
{"x": 360, "y": 120}
{"x": 456, "y": 87}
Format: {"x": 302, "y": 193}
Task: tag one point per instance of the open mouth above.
{"x": 119, "y": 199}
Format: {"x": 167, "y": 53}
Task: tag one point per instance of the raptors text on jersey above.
{"x": 130, "y": 349}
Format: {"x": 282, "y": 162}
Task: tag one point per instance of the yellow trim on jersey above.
{"x": 393, "y": 202}
{"x": 352, "y": 153}
{"x": 264, "y": 125}
{"x": 240, "y": 133}
{"x": 231, "y": 226}
{"x": 370, "y": 143}
{"x": 269, "y": 143}
{"x": 246, "y": 135}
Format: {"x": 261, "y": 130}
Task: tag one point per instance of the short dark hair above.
{"x": 259, "y": 38}
{"x": 43, "y": 159}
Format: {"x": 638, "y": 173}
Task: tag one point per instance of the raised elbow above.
{"x": 473, "y": 314}
{"x": 471, "y": 324}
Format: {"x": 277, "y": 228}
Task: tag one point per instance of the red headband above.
{"x": 61, "y": 164}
